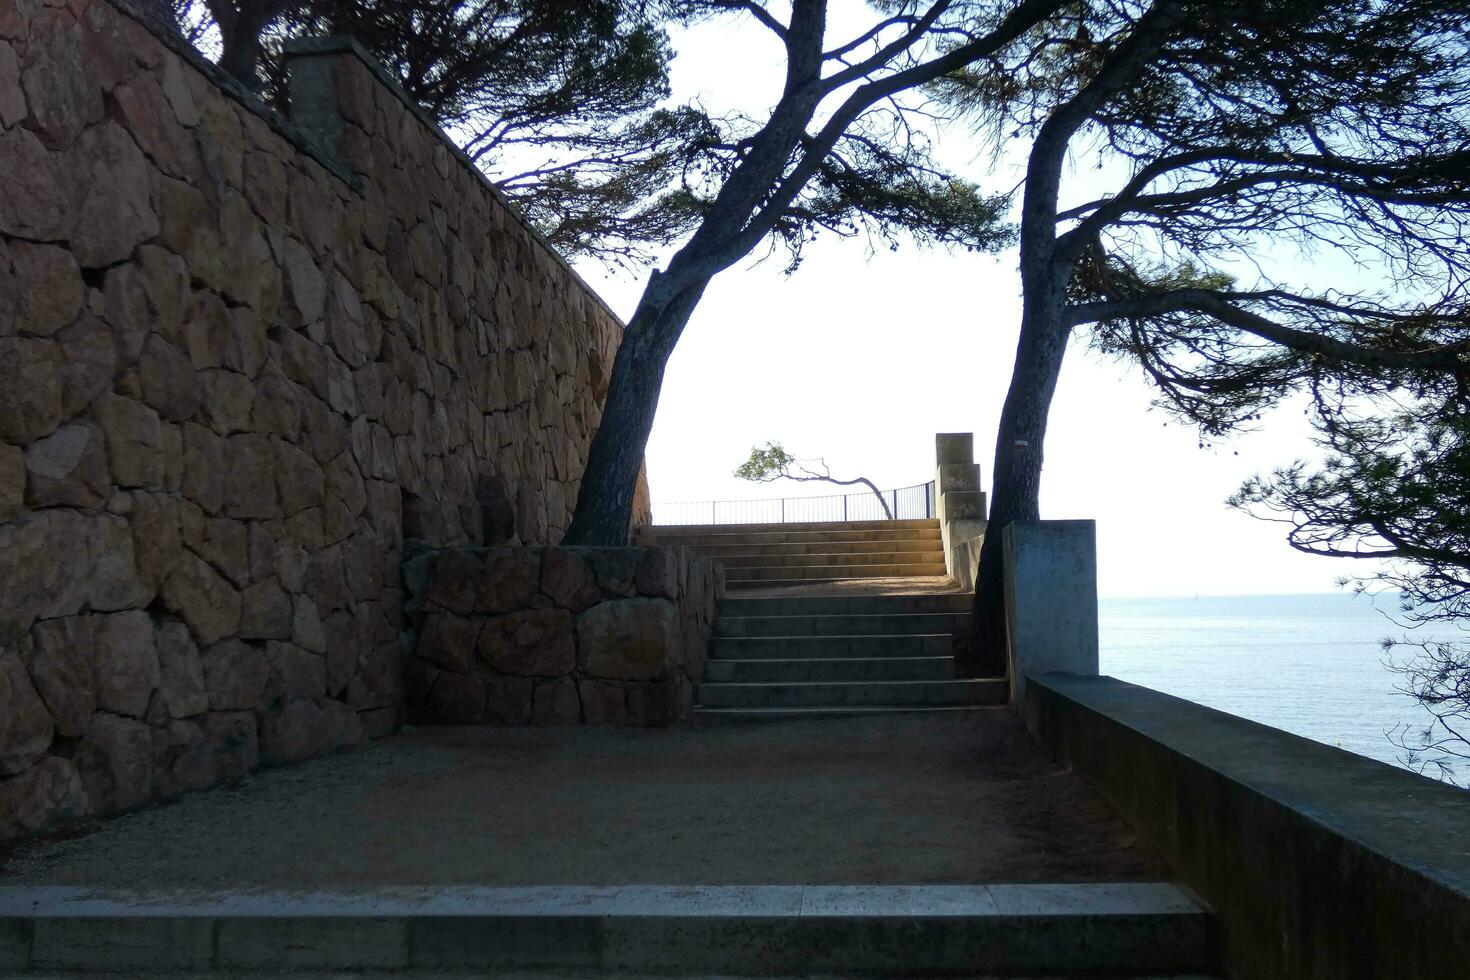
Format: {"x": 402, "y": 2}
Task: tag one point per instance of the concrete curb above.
{"x": 1133, "y": 927}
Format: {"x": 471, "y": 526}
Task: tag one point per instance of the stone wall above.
{"x": 241, "y": 358}
{"x": 559, "y": 636}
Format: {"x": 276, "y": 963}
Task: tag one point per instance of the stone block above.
{"x": 43, "y": 796}
{"x": 62, "y": 669}
{"x": 508, "y": 699}
{"x": 294, "y": 731}
{"x": 458, "y": 699}
{"x": 454, "y": 582}
{"x": 134, "y": 437}
{"x": 449, "y": 640}
{"x": 166, "y": 379}
{"x": 658, "y": 573}
{"x": 31, "y": 377}
{"x": 203, "y": 598}
{"x": 125, "y": 662}
{"x": 25, "y": 725}
{"x": 629, "y": 639}
{"x": 616, "y": 568}
{"x": 266, "y": 612}
{"x": 115, "y": 762}
{"x": 509, "y": 580}
{"x": 533, "y": 642}
{"x": 307, "y": 631}
{"x": 602, "y": 703}
{"x": 294, "y": 673}
{"x": 954, "y": 447}
{"x": 568, "y": 580}
{"x": 235, "y": 675}
{"x": 12, "y": 480}
{"x": 68, "y": 468}
{"x": 180, "y": 671}
{"x": 44, "y": 288}
{"x": 555, "y": 702}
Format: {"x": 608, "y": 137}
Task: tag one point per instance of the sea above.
{"x": 1313, "y": 665}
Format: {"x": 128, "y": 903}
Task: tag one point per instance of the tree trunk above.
{"x": 1016, "y": 485}
{"x": 605, "y": 496}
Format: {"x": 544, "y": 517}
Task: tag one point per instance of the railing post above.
{"x": 844, "y": 507}
{"x": 783, "y": 510}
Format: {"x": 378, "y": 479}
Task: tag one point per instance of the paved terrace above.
{"x": 902, "y": 799}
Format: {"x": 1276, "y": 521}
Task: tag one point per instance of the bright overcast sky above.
{"x": 861, "y": 359}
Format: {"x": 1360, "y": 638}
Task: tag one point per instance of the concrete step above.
{"x": 820, "y": 694}
{"x": 837, "y": 605}
{"x": 895, "y": 624}
{"x": 833, "y": 572}
{"x": 831, "y": 647}
{"x": 677, "y": 530}
{"x": 841, "y": 669}
{"x": 823, "y": 558}
{"x": 864, "y": 546}
{"x": 754, "y": 716}
{"x": 714, "y": 538}
{"x": 1133, "y": 929}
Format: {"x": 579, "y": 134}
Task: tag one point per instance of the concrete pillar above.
{"x": 1051, "y": 600}
{"x": 959, "y": 503}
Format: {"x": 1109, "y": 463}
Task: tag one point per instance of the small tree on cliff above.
{"x": 841, "y": 151}
{"x": 559, "y": 103}
{"x": 772, "y": 462}
{"x": 1337, "y": 125}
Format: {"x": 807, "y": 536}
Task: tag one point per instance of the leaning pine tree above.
{"x": 1330, "y": 126}
{"x": 841, "y": 150}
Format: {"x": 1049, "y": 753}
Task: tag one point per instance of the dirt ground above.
{"x": 961, "y": 797}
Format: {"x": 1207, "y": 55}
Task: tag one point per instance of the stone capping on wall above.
{"x": 227, "y": 84}
{"x": 1319, "y": 864}
{"x": 310, "y": 142}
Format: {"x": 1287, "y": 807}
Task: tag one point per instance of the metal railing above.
{"x": 907, "y": 503}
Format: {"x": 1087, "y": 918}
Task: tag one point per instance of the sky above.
{"x": 862, "y": 358}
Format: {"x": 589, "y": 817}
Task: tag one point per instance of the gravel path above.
{"x": 898, "y": 799}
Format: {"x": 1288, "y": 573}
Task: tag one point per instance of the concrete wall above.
{"x": 559, "y": 636}
{"x": 959, "y": 504}
{"x": 241, "y": 357}
{"x": 1319, "y": 864}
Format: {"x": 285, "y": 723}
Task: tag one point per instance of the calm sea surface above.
{"x": 1309, "y": 664}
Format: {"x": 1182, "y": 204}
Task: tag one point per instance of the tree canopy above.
{"x": 843, "y": 150}
{"x": 1227, "y": 133}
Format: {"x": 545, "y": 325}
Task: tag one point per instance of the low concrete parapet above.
{"x": 557, "y": 636}
{"x": 1051, "y": 600}
{"x": 1319, "y": 864}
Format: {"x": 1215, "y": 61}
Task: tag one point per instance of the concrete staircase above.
{"x": 829, "y": 656}
{"x": 773, "y": 555}
{"x": 785, "y": 653}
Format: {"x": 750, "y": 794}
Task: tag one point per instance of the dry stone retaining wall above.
{"x": 241, "y": 357}
{"x": 558, "y": 636}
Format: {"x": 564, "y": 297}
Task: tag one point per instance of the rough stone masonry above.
{"x": 241, "y": 359}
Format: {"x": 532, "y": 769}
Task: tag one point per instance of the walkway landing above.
{"x": 894, "y": 800}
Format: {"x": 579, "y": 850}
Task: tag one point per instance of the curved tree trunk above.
{"x": 604, "y": 509}
{"x": 1016, "y": 483}
{"x": 1016, "y": 479}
